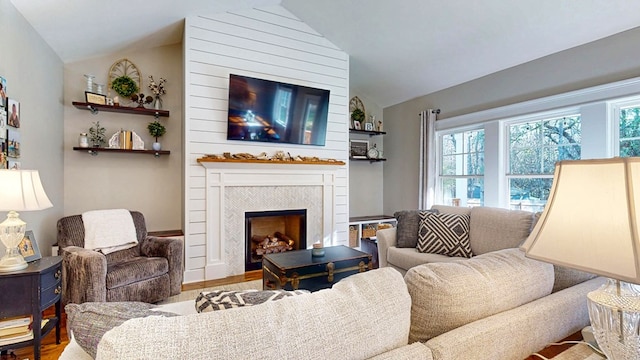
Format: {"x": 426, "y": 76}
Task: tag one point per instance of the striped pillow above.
{"x": 221, "y": 299}
{"x": 444, "y": 234}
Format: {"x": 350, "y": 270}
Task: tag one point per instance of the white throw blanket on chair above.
{"x": 109, "y": 230}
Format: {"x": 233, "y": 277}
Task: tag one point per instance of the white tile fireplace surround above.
{"x": 235, "y": 188}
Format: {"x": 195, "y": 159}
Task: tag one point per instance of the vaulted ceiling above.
{"x": 399, "y": 49}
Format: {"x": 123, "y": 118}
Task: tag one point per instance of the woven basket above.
{"x": 369, "y": 231}
{"x": 353, "y": 235}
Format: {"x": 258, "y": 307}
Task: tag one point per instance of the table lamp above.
{"x": 590, "y": 223}
{"x": 20, "y": 190}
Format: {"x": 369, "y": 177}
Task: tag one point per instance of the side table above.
{"x": 29, "y": 292}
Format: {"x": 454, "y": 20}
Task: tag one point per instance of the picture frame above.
{"x": 28, "y": 247}
{"x": 13, "y": 107}
{"x": 368, "y": 126}
{"x": 95, "y": 98}
{"x": 358, "y": 149}
{"x": 356, "y": 125}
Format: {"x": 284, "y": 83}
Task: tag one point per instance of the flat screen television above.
{"x": 271, "y": 111}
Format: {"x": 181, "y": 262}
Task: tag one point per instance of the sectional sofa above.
{"x": 496, "y": 305}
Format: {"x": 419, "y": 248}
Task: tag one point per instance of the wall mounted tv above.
{"x": 270, "y": 111}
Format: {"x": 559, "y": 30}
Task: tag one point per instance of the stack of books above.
{"x": 15, "y": 330}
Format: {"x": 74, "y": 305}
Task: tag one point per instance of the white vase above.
{"x": 157, "y": 103}
{"x": 156, "y": 146}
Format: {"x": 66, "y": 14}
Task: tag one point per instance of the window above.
{"x": 461, "y": 173}
{"x": 282, "y": 106}
{"x": 629, "y": 131}
{"x": 534, "y": 148}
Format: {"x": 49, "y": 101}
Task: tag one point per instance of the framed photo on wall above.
{"x": 358, "y": 149}
{"x": 29, "y": 247}
{"x": 13, "y": 108}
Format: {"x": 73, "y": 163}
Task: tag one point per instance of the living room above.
{"x": 170, "y": 190}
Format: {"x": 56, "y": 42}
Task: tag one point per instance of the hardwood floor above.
{"x": 51, "y": 351}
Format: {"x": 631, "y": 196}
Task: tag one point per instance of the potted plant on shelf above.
{"x": 357, "y": 116}
{"x": 156, "y": 130}
{"x": 96, "y": 134}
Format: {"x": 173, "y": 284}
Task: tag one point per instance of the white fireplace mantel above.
{"x": 233, "y": 188}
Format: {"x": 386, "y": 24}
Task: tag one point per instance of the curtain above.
{"x": 427, "y": 181}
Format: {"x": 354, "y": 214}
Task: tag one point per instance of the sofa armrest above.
{"x": 173, "y": 250}
{"x": 84, "y": 275}
{"x": 386, "y": 239}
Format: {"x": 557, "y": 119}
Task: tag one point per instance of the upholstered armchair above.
{"x": 149, "y": 272}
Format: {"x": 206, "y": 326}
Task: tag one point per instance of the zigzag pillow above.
{"x": 221, "y": 299}
{"x": 444, "y": 234}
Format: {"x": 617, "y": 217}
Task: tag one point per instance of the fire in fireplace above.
{"x": 269, "y": 232}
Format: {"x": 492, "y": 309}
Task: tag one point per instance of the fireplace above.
{"x": 268, "y": 232}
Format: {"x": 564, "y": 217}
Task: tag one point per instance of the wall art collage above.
{"x": 9, "y": 128}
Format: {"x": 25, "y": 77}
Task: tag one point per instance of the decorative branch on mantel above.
{"x": 278, "y": 157}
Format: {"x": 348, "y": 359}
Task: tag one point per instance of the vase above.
{"x": 157, "y": 103}
{"x": 156, "y": 146}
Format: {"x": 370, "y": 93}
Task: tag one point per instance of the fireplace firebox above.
{"x": 276, "y": 231}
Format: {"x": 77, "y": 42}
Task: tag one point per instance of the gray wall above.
{"x": 140, "y": 182}
{"x": 599, "y": 62}
{"x": 34, "y": 78}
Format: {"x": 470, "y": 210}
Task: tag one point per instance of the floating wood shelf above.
{"x": 95, "y": 150}
{"x": 366, "y": 132}
{"x": 367, "y": 159}
{"x": 95, "y": 108}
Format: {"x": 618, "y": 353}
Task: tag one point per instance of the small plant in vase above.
{"x": 156, "y": 130}
{"x": 96, "y": 134}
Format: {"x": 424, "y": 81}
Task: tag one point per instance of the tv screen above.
{"x": 270, "y": 111}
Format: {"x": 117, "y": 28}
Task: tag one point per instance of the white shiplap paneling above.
{"x": 268, "y": 43}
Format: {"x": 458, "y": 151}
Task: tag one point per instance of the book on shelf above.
{"x": 15, "y": 325}
{"x": 22, "y": 336}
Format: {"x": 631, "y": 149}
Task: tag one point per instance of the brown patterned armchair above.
{"x": 149, "y": 272}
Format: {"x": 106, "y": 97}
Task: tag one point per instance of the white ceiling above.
{"x": 399, "y": 49}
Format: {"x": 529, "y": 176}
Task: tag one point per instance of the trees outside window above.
{"x": 461, "y": 172}
{"x": 629, "y": 131}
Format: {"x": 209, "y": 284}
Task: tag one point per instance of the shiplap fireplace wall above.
{"x": 268, "y": 43}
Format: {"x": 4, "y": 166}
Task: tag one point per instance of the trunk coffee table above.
{"x": 297, "y": 269}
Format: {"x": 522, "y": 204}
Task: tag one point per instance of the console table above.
{"x": 29, "y": 292}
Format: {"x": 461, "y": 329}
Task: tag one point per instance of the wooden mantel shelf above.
{"x": 275, "y": 162}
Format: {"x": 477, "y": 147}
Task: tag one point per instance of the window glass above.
{"x": 462, "y": 168}
{"x": 630, "y": 131}
{"x": 534, "y": 148}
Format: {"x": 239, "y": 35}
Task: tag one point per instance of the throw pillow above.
{"x": 89, "y": 321}
{"x": 408, "y": 222}
{"x": 221, "y": 299}
{"x": 444, "y": 234}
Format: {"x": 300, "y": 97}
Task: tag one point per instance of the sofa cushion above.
{"x": 445, "y": 296}
{"x": 445, "y": 234}
{"x": 222, "y": 299}
{"x": 495, "y": 229}
{"x": 566, "y": 277}
{"x": 406, "y": 258}
{"x": 320, "y": 325}
{"x": 408, "y": 222}
{"x": 91, "y": 320}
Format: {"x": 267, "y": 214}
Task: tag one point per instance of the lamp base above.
{"x": 614, "y": 310}
{"x": 12, "y": 262}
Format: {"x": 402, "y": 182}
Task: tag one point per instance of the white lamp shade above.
{"x": 591, "y": 219}
{"x": 21, "y": 190}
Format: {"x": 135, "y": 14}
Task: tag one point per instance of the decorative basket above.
{"x": 353, "y": 235}
{"x": 369, "y": 231}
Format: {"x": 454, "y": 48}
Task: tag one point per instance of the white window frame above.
{"x": 614, "y": 116}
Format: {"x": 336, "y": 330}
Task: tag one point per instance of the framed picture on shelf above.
{"x": 358, "y": 149}
{"x": 93, "y": 98}
{"x": 368, "y": 126}
{"x": 356, "y": 125}
{"x": 29, "y": 247}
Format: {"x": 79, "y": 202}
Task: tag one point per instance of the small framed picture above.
{"x": 368, "y": 126}
{"x": 358, "y": 149}
{"x": 93, "y": 98}
{"x": 356, "y": 125}
{"x": 14, "y": 113}
{"x": 29, "y": 247}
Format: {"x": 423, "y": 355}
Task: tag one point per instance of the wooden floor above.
{"x": 51, "y": 351}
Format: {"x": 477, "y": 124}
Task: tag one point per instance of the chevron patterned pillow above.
{"x": 444, "y": 234}
{"x": 221, "y": 299}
